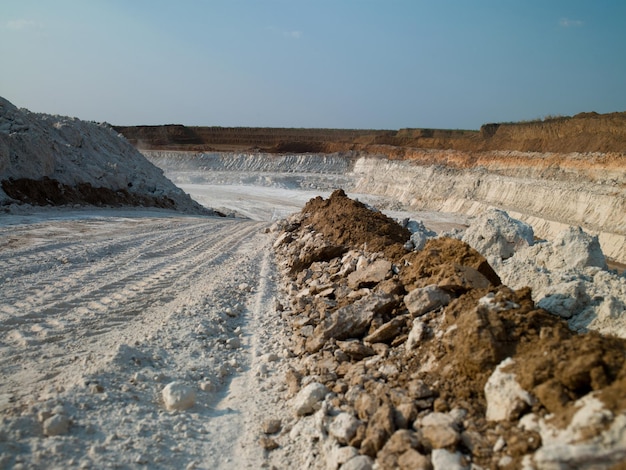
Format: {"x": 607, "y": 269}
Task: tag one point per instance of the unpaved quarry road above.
{"x": 100, "y": 310}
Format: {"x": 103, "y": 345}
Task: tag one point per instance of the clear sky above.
{"x": 383, "y": 64}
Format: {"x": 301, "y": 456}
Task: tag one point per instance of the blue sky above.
{"x": 383, "y": 64}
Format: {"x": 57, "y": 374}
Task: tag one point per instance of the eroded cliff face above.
{"x": 585, "y": 132}
{"x": 549, "y": 204}
{"x": 549, "y": 191}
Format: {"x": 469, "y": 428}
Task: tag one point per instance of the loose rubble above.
{"x": 427, "y": 359}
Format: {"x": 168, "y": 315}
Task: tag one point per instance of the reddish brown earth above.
{"x": 584, "y": 132}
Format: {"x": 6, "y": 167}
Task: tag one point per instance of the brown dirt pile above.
{"x": 408, "y": 343}
{"x": 346, "y": 222}
{"x": 448, "y": 263}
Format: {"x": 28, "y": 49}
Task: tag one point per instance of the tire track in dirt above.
{"x": 107, "y": 296}
{"x": 76, "y": 261}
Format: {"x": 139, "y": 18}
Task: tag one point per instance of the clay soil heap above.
{"x": 425, "y": 358}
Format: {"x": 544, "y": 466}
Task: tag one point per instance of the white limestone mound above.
{"x": 568, "y": 275}
{"x": 178, "y": 396}
{"x": 576, "y": 249}
{"x": 497, "y": 236}
{"x": 74, "y": 152}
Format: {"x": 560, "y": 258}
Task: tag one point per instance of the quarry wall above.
{"x": 548, "y": 191}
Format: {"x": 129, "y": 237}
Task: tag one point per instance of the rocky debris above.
{"x": 436, "y": 364}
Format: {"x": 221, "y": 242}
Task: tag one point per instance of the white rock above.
{"x": 443, "y": 459}
{"x": 425, "y": 299}
{"x": 419, "y": 234}
{"x": 306, "y": 400}
{"x": 178, "y": 396}
{"x": 206, "y": 386}
{"x": 233, "y": 343}
{"x": 361, "y": 462}
{"x": 340, "y": 455}
{"x": 56, "y": 425}
{"x": 438, "y": 419}
{"x": 504, "y": 395}
{"x": 343, "y": 427}
{"x": 416, "y": 334}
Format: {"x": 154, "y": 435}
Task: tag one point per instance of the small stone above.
{"x": 499, "y": 445}
{"x": 307, "y": 399}
{"x": 270, "y": 357}
{"x": 416, "y": 335}
{"x": 340, "y": 455}
{"x": 355, "y": 349}
{"x": 425, "y": 299}
{"x": 271, "y": 426}
{"x": 441, "y": 437}
{"x": 268, "y": 443}
{"x": 370, "y": 275}
{"x": 233, "y": 343}
{"x": 361, "y": 462}
{"x": 387, "y": 331}
{"x": 56, "y": 425}
{"x": 206, "y": 386}
{"x": 412, "y": 459}
{"x": 343, "y": 427}
{"x": 405, "y": 415}
{"x": 178, "y": 396}
{"x": 443, "y": 459}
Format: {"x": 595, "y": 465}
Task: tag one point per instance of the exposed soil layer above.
{"x": 47, "y": 191}
{"x": 409, "y": 347}
{"x": 584, "y": 132}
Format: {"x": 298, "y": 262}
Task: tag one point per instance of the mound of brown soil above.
{"x": 346, "y": 222}
{"x": 441, "y": 261}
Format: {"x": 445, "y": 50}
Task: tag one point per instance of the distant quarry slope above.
{"x": 551, "y": 173}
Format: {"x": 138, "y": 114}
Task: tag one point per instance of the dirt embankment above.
{"x": 585, "y": 132}
{"x": 423, "y": 359}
